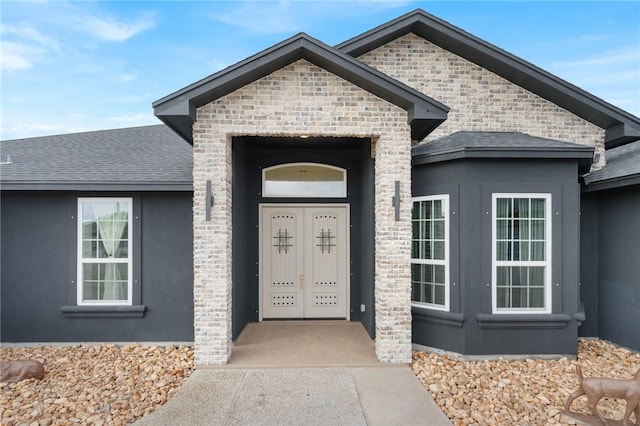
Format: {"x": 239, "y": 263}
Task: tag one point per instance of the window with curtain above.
{"x": 521, "y": 253}
{"x": 430, "y": 252}
{"x": 104, "y": 255}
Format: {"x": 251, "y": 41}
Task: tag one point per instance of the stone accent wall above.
{"x": 479, "y": 99}
{"x": 300, "y": 99}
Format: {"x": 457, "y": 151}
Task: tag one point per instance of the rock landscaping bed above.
{"x": 528, "y": 392}
{"x": 115, "y": 385}
{"x": 93, "y": 384}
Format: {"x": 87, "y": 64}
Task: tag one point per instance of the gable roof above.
{"x": 145, "y": 158}
{"x": 622, "y": 169}
{"x": 177, "y": 110}
{"x": 621, "y": 127}
{"x": 466, "y": 144}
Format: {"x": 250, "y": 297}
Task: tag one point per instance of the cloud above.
{"x": 40, "y": 32}
{"x": 31, "y": 34}
{"x": 288, "y": 17}
{"x": 263, "y": 18}
{"x": 128, "y": 77}
{"x": 15, "y": 56}
{"x": 130, "y": 99}
{"x": 613, "y": 75}
{"x": 108, "y": 29}
{"x": 22, "y": 46}
{"x": 139, "y": 119}
{"x": 628, "y": 55}
{"x": 16, "y": 127}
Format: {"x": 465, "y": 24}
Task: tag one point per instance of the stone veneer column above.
{"x": 300, "y": 99}
{"x": 211, "y": 248}
{"x": 393, "y": 252}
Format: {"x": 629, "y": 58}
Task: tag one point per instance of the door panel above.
{"x": 283, "y": 263}
{"x": 325, "y": 263}
{"x": 304, "y": 262}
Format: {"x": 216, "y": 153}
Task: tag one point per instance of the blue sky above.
{"x": 78, "y": 66}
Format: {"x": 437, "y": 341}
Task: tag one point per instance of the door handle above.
{"x": 301, "y": 279}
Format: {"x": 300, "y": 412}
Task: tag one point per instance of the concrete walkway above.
{"x": 300, "y": 396}
{"x": 301, "y": 373}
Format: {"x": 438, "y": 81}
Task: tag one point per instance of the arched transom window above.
{"x": 304, "y": 180}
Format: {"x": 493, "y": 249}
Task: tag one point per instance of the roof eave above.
{"x": 506, "y": 65}
{"x": 178, "y": 109}
{"x": 617, "y": 182}
{"x": 621, "y": 134}
{"x": 84, "y": 186}
{"x": 584, "y": 156}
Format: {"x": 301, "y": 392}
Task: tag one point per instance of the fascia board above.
{"x": 621, "y": 134}
{"x": 618, "y": 182}
{"x": 502, "y": 153}
{"x": 97, "y": 186}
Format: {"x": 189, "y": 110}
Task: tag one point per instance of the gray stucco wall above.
{"x": 618, "y": 297}
{"x": 469, "y": 327}
{"x": 38, "y": 270}
{"x": 589, "y": 263}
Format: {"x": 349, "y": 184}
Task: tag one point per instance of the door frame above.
{"x": 347, "y": 208}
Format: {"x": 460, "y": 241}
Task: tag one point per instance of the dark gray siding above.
{"x": 366, "y": 247}
{"x": 619, "y": 266}
{"x": 469, "y": 327}
{"x": 39, "y": 264}
{"x": 589, "y": 263}
{"x": 244, "y": 301}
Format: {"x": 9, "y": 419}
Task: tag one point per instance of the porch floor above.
{"x": 303, "y": 343}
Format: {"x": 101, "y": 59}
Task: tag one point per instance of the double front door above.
{"x": 304, "y": 261}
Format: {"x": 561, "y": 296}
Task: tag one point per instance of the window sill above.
{"x": 523, "y": 320}
{"x": 75, "y": 311}
{"x": 450, "y": 319}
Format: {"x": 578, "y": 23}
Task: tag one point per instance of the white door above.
{"x": 304, "y": 258}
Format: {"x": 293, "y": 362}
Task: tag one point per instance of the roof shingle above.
{"x": 144, "y": 157}
{"x": 623, "y": 163}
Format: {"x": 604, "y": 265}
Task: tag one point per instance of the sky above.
{"x": 72, "y": 66}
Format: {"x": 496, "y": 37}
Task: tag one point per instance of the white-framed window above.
{"x": 304, "y": 180}
{"x": 104, "y": 251}
{"x": 521, "y": 253}
{"x": 430, "y": 252}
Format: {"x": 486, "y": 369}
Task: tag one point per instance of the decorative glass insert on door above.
{"x": 283, "y": 241}
{"x": 325, "y": 241}
{"x": 283, "y": 229}
{"x": 325, "y": 236}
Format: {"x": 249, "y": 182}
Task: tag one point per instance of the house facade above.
{"x": 415, "y": 178}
